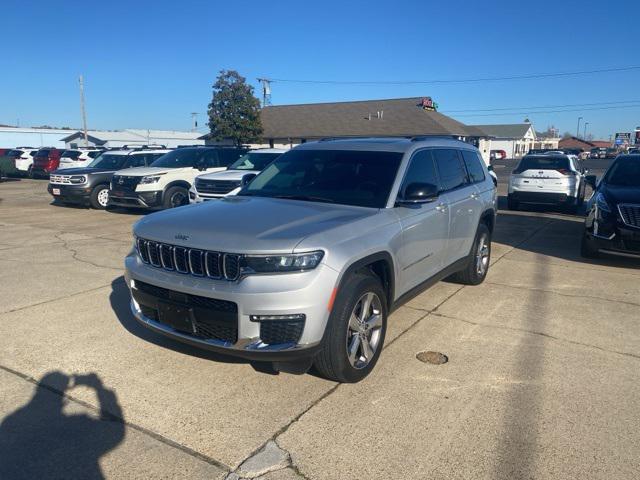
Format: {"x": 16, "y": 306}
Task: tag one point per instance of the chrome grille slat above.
{"x": 630, "y": 214}
{"x": 192, "y": 261}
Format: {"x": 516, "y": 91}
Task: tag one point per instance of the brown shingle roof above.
{"x": 398, "y": 117}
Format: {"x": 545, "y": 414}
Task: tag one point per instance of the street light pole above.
{"x": 585, "y": 130}
{"x": 578, "y": 129}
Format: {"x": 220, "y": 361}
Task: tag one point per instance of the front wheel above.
{"x": 100, "y": 197}
{"x": 476, "y": 270}
{"x": 175, "y": 197}
{"x": 356, "y": 330}
{"x": 587, "y": 248}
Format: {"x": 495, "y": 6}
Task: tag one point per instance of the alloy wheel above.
{"x": 364, "y": 330}
{"x": 177, "y": 199}
{"x": 103, "y": 197}
{"x": 482, "y": 256}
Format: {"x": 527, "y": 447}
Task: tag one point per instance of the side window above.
{"x": 474, "y": 168}
{"x": 211, "y": 158}
{"x": 450, "y": 168}
{"x": 421, "y": 169}
{"x": 149, "y": 158}
{"x": 136, "y": 161}
{"x": 230, "y": 155}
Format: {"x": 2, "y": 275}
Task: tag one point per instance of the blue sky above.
{"x": 150, "y": 64}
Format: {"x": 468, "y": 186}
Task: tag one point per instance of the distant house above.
{"x": 119, "y": 138}
{"x": 515, "y": 139}
{"x": 584, "y": 145}
{"x": 290, "y": 125}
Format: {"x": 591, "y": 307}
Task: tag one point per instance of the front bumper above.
{"x": 131, "y": 198}
{"x": 610, "y": 235}
{"x": 306, "y": 293}
{"x": 70, "y": 193}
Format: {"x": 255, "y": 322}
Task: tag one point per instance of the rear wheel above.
{"x": 587, "y": 247}
{"x": 355, "y": 333}
{"x": 175, "y": 197}
{"x": 476, "y": 270}
{"x": 100, "y": 197}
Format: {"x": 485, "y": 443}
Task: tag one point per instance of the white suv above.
{"x": 211, "y": 186}
{"x": 78, "y": 158}
{"x": 23, "y": 157}
{"x": 166, "y": 182}
{"x": 548, "y": 179}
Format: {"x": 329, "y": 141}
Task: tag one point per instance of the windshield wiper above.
{"x": 309, "y": 198}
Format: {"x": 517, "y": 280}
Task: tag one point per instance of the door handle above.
{"x": 442, "y": 207}
{"x": 473, "y": 196}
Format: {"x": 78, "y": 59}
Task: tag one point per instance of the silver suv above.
{"x": 304, "y": 265}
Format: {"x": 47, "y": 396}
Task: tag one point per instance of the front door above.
{"x": 425, "y": 227}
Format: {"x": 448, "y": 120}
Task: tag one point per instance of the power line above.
{"x": 542, "y": 107}
{"x": 463, "y": 80}
{"x": 548, "y": 111}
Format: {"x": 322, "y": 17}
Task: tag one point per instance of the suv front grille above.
{"x": 216, "y": 187}
{"x": 125, "y": 183}
{"x": 630, "y": 214}
{"x": 213, "y": 319}
{"x": 193, "y": 261}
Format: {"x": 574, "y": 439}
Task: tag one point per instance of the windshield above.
{"x": 109, "y": 161}
{"x": 543, "y": 163}
{"x": 14, "y": 153}
{"x": 334, "y": 176}
{"x": 625, "y": 172}
{"x": 254, "y": 161}
{"x": 187, "y": 157}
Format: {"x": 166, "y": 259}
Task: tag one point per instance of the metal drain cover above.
{"x": 435, "y": 358}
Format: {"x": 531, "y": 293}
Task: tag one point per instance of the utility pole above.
{"x": 585, "y": 130}
{"x": 194, "y": 121}
{"x": 266, "y": 91}
{"x": 578, "y": 129}
{"x": 84, "y": 113}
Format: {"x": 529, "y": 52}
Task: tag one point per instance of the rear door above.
{"x": 425, "y": 226}
{"x": 462, "y": 200}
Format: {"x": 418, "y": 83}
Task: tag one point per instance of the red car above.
{"x": 45, "y": 161}
{"x": 4, "y": 151}
{"x": 498, "y": 154}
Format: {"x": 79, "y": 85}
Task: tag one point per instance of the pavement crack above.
{"x": 115, "y": 418}
{"x": 74, "y": 254}
{"x": 570, "y": 295}
{"x": 540, "y": 334}
{"x": 121, "y": 279}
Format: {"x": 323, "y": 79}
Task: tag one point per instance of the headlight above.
{"x": 601, "y": 203}
{"x": 150, "y": 179}
{"x": 78, "y": 179}
{"x": 296, "y": 262}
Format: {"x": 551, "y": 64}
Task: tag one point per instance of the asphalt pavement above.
{"x": 542, "y": 377}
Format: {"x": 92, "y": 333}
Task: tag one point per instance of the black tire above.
{"x": 512, "y": 204}
{"x": 474, "y": 273}
{"x": 99, "y": 197}
{"x": 333, "y": 360}
{"x": 587, "y": 248}
{"x": 175, "y": 197}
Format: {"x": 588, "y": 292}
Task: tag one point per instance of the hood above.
{"x": 144, "y": 171}
{"x": 247, "y": 224}
{"x": 621, "y": 194}
{"x": 228, "y": 175}
{"x": 80, "y": 171}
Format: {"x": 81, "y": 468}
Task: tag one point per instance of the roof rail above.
{"x": 419, "y": 138}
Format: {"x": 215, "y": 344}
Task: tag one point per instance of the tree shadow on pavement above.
{"x": 120, "y": 299}
{"x": 40, "y": 440}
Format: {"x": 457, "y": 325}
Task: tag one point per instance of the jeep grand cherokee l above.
{"x": 305, "y": 263}
{"x": 613, "y": 220}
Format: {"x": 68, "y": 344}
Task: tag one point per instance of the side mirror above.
{"x": 200, "y": 165}
{"x": 490, "y": 168}
{"x": 419, "y": 193}
{"x": 591, "y": 180}
{"x": 247, "y": 178}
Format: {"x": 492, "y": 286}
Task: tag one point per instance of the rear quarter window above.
{"x": 474, "y": 167}
{"x": 450, "y": 168}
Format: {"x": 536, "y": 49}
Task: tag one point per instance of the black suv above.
{"x": 613, "y": 221}
{"x": 90, "y": 185}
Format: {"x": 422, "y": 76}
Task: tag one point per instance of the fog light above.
{"x": 192, "y": 195}
{"x": 261, "y": 318}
